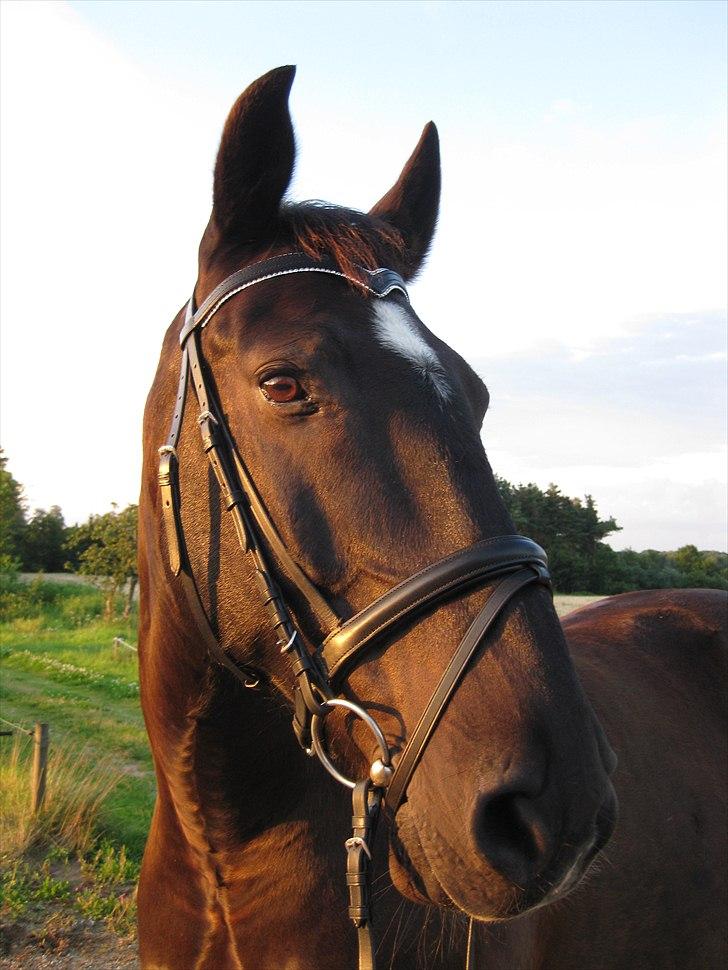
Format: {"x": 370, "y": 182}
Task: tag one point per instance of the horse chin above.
{"x": 413, "y": 878}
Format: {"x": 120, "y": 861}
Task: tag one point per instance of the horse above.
{"x": 346, "y": 476}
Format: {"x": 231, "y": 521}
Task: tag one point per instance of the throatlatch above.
{"x": 322, "y": 660}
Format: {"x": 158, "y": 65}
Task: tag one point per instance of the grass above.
{"x": 74, "y": 864}
{"x": 59, "y": 665}
{"x": 567, "y": 602}
{"x": 54, "y": 893}
{"x": 77, "y": 786}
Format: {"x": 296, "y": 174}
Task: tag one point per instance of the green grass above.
{"x": 59, "y": 665}
{"x": 75, "y": 863}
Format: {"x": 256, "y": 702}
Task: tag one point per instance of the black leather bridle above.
{"x": 322, "y": 661}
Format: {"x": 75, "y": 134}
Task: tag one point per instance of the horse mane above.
{"x": 354, "y": 240}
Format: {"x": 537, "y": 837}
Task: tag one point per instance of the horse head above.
{"x": 361, "y": 431}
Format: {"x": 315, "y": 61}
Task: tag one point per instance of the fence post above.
{"x": 41, "y": 738}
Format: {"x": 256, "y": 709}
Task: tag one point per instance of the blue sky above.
{"x": 508, "y": 61}
{"x": 583, "y": 215}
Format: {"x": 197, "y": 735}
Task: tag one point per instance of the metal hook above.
{"x": 288, "y": 646}
{"x": 355, "y": 842}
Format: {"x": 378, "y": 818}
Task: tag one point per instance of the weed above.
{"x": 55, "y": 602}
{"x": 94, "y": 905}
{"x": 77, "y": 786}
{"x": 123, "y": 920}
{"x": 15, "y": 889}
{"x": 27, "y": 887}
{"x": 51, "y": 888}
{"x": 118, "y": 912}
{"x": 58, "y": 853}
{"x": 110, "y": 866}
{"x": 22, "y": 885}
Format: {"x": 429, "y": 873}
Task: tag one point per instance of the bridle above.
{"x": 321, "y": 663}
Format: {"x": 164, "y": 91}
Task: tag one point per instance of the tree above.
{"x": 571, "y": 532}
{"x": 12, "y": 514}
{"x": 107, "y": 550}
{"x": 44, "y": 542}
{"x": 701, "y": 569}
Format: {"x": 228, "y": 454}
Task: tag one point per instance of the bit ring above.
{"x": 318, "y": 740}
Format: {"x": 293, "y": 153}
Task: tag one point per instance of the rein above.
{"x": 321, "y": 664}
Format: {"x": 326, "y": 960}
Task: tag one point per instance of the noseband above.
{"x": 322, "y": 661}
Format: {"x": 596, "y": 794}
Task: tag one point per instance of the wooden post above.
{"x": 41, "y": 738}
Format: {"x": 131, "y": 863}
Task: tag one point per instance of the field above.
{"x": 68, "y": 880}
{"x": 69, "y": 892}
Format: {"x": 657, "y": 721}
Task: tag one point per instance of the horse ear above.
{"x": 255, "y": 159}
{"x": 412, "y": 204}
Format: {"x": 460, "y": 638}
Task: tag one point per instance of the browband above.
{"x": 378, "y": 282}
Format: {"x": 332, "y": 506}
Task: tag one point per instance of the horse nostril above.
{"x": 511, "y": 835}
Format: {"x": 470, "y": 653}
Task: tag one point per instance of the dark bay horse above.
{"x": 361, "y": 432}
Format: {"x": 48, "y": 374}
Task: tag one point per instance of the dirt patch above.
{"x": 70, "y": 915}
{"x": 65, "y": 943}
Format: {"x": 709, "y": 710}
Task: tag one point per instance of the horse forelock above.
{"x": 354, "y": 240}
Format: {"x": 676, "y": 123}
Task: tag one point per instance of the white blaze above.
{"x": 396, "y": 331}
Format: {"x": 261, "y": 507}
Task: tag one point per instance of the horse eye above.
{"x": 282, "y": 388}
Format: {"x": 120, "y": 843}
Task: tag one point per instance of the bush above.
{"x": 69, "y": 604}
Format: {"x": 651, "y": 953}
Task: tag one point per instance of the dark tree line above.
{"x": 572, "y": 534}
{"x": 37, "y": 542}
{"x": 103, "y": 547}
{"x": 569, "y": 529}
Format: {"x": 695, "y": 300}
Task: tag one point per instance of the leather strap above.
{"x": 246, "y": 675}
{"x": 452, "y": 676}
{"x": 239, "y": 492}
{"x": 304, "y": 666}
{"x": 358, "y": 868}
{"x": 168, "y": 486}
{"x": 378, "y": 282}
{"x": 343, "y": 648}
{"x": 168, "y": 480}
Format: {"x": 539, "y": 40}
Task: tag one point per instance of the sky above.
{"x": 580, "y": 261}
